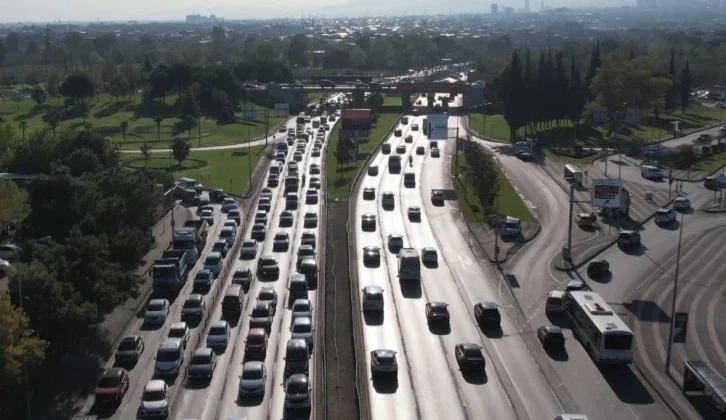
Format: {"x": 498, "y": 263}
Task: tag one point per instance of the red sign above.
{"x": 357, "y": 115}
{"x": 441, "y": 87}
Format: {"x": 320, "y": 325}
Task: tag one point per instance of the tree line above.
{"x": 86, "y": 227}
{"x": 551, "y": 92}
{"x": 482, "y": 174}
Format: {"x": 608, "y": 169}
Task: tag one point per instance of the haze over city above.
{"x": 89, "y": 10}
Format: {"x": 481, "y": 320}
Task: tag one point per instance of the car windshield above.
{"x": 225, "y": 234}
{"x": 301, "y": 328}
{"x": 155, "y": 307}
{"x": 438, "y": 309}
{"x": 153, "y": 396}
{"x": 127, "y": 345}
{"x": 266, "y": 295}
{"x": 211, "y": 261}
{"x": 386, "y": 359}
{"x": 297, "y": 387}
{"x": 255, "y": 339}
{"x": 233, "y": 213}
{"x": 200, "y": 360}
{"x": 618, "y": 341}
{"x": 204, "y": 275}
{"x": 177, "y": 333}
{"x": 241, "y": 274}
{"x": 167, "y": 356}
{"x": 252, "y": 374}
{"x": 301, "y": 307}
{"x": 217, "y": 331}
{"x": 472, "y": 353}
{"x": 106, "y": 382}
{"x": 192, "y": 303}
{"x": 260, "y": 313}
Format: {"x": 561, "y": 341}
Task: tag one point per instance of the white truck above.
{"x": 409, "y": 264}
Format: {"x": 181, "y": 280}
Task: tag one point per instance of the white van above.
{"x": 555, "y": 301}
{"x": 651, "y": 172}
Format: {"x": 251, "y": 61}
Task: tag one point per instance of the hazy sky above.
{"x": 89, "y": 10}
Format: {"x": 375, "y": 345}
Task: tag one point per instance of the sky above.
{"x": 92, "y": 10}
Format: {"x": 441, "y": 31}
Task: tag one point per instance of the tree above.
{"x": 158, "y": 121}
{"x": 53, "y": 123}
{"x": 124, "y": 125}
{"x": 189, "y": 124}
{"x": 687, "y": 156}
{"x": 376, "y": 100}
{"x": 181, "y": 77}
{"x": 87, "y": 126}
{"x": 14, "y": 41}
{"x": 595, "y": 63}
{"x": 180, "y": 149}
{"x": 77, "y": 87}
{"x": 145, "y": 150}
{"x": 13, "y": 202}
{"x": 38, "y": 94}
{"x": 297, "y": 52}
{"x": 23, "y": 126}
{"x": 686, "y": 84}
{"x": 52, "y": 85}
{"x": 117, "y": 86}
{"x": 20, "y": 349}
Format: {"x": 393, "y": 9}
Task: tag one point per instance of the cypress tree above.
{"x": 686, "y": 82}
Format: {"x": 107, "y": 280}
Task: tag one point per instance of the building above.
{"x": 201, "y": 19}
{"x": 526, "y": 6}
{"x": 495, "y": 8}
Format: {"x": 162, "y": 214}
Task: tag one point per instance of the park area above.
{"x": 108, "y": 116}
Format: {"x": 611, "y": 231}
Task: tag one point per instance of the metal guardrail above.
{"x": 361, "y": 370}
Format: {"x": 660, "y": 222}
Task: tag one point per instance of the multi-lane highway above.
{"x": 219, "y": 397}
{"x": 430, "y": 384}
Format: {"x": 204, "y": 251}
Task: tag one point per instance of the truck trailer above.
{"x": 169, "y": 272}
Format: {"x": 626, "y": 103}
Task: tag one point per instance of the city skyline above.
{"x": 87, "y": 10}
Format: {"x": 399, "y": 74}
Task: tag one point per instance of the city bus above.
{"x": 300, "y": 118}
{"x": 605, "y": 336}
{"x": 574, "y": 174}
{"x": 409, "y": 264}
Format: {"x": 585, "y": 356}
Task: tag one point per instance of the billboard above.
{"x": 606, "y": 193}
{"x": 249, "y": 111}
{"x": 356, "y": 119}
{"x": 282, "y": 110}
{"x": 438, "y": 126}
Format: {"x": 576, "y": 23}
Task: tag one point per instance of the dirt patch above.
{"x": 340, "y": 380}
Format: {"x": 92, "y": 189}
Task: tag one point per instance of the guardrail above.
{"x": 361, "y": 370}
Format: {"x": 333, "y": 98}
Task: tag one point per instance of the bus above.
{"x": 300, "y": 118}
{"x": 409, "y": 264}
{"x": 574, "y": 174}
{"x": 605, "y": 336}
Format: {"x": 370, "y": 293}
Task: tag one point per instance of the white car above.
{"x": 664, "y": 216}
{"x": 681, "y": 204}
{"x": 156, "y": 312}
{"x": 429, "y": 255}
{"x": 155, "y": 399}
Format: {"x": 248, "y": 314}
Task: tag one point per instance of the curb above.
{"x": 364, "y": 409}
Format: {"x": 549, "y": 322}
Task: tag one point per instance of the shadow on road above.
{"x": 492, "y": 332}
{"x": 647, "y": 311}
{"x": 411, "y": 289}
{"x": 250, "y": 401}
{"x": 475, "y": 377}
{"x": 297, "y": 414}
{"x": 373, "y": 318}
{"x": 672, "y": 226}
{"x": 385, "y": 385}
{"x": 635, "y": 251}
{"x": 558, "y": 356}
{"x": 626, "y": 385}
{"x": 440, "y": 329}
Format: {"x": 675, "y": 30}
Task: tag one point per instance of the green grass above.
{"x": 707, "y": 164}
{"x": 555, "y": 157}
{"x": 393, "y": 99}
{"x": 105, "y": 115}
{"x": 227, "y": 169}
{"x": 510, "y": 203}
{"x": 495, "y": 126}
{"x": 340, "y": 177}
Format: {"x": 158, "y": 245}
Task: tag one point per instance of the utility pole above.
{"x": 267, "y": 125}
{"x": 496, "y": 225}
{"x": 249, "y": 158}
{"x": 673, "y": 303}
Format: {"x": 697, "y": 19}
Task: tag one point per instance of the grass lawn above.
{"x": 227, "y": 169}
{"x": 707, "y": 164}
{"x": 393, "y": 99}
{"x": 509, "y": 201}
{"x": 339, "y": 180}
{"x": 567, "y": 159}
{"x": 105, "y": 115}
{"x": 495, "y": 126}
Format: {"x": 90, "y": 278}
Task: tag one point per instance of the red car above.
{"x": 112, "y": 386}
{"x": 256, "y": 344}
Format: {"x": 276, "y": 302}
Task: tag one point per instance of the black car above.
{"x": 269, "y": 295}
{"x": 217, "y": 195}
{"x": 368, "y": 222}
{"x": 243, "y": 277}
{"x": 469, "y": 357}
{"x": 371, "y": 255}
{"x": 261, "y": 316}
{"x": 487, "y": 314}
{"x": 551, "y": 338}
{"x": 267, "y": 267}
{"x": 437, "y": 312}
{"x": 437, "y": 197}
{"x": 369, "y": 193}
{"x": 598, "y": 268}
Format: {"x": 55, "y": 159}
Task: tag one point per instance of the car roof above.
{"x": 178, "y": 326}
{"x": 170, "y": 343}
{"x": 207, "y": 352}
{"x": 469, "y": 346}
{"x": 488, "y": 305}
{"x": 384, "y": 353}
{"x": 155, "y": 385}
{"x": 302, "y": 302}
{"x": 113, "y": 372}
{"x": 556, "y": 293}
{"x": 262, "y": 304}
{"x": 214, "y": 254}
{"x": 194, "y": 296}
{"x": 256, "y": 332}
{"x": 298, "y": 378}
{"x": 436, "y": 304}
{"x": 553, "y": 329}
{"x": 303, "y": 320}
{"x": 218, "y": 324}
{"x": 158, "y": 302}
{"x": 253, "y": 365}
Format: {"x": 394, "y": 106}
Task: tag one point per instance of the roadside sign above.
{"x": 606, "y": 193}
{"x": 680, "y": 327}
{"x": 282, "y": 110}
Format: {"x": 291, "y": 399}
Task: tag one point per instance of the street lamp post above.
{"x": 673, "y": 302}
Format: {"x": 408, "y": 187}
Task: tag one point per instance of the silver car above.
{"x": 218, "y": 336}
{"x": 252, "y": 380}
{"x": 301, "y": 308}
{"x": 302, "y": 327}
{"x": 249, "y": 249}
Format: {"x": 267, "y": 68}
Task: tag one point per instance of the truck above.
{"x": 190, "y": 239}
{"x": 409, "y": 264}
{"x": 169, "y": 272}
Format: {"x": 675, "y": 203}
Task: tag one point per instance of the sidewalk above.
{"x": 75, "y": 376}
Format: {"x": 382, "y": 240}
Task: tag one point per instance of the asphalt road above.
{"x": 430, "y": 384}
{"x": 218, "y": 399}
{"x": 600, "y": 393}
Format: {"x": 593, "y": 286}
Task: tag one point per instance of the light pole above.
{"x": 673, "y": 303}
{"x": 249, "y": 158}
{"x": 25, "y": 369}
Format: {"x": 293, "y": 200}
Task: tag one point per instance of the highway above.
{"x": 430, "y": 383}
{"x": 218, "y": 398}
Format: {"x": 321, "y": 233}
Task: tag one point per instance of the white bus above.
{"x": 409, "y": 264}
{"x": 605, "y": 336}
{"x": 574, "y": 174}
